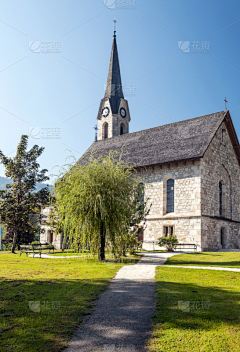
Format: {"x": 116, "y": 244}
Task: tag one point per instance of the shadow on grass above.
{"x": 191, "y": 306}
{"x": 43, "y": 314}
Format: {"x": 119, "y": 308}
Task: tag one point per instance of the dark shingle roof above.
{"x": 114, "y": 84}
{"x": 184, "y": 140}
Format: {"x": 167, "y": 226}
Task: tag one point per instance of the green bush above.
{"x": 36, "y": 242}
{"x": 170, "y": 242}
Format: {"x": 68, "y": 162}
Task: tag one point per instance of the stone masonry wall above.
{"x": 113, "y": 121}
{"x": 187, "y": 207}
{"x": 220, "y": 164}
{"x": 211, "y": 234}
{"x": 109, "y": 119}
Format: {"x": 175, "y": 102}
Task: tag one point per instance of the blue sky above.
{"x": 57, "y": 94}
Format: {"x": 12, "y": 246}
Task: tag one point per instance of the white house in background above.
{"x": 49, "y": 236}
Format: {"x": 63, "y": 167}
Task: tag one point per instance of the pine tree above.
{"x": 20, "y": 204}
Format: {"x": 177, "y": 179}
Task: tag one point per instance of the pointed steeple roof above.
{"x": 114, "y": 83}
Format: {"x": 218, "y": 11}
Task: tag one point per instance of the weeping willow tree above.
{"x": 100, "y": 203}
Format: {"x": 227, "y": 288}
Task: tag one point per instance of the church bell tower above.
{"x": 113, "y": 115}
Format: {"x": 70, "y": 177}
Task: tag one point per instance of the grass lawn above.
{"x": 197, "y": 311}
{"x": 66, "y": 254}
{"x": 224, "y": 259}
{"x": 42, "y": 300}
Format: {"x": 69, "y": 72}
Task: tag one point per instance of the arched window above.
{"x": 140, "y": 201}
{"x": 106, "y": 130}
{"x": 141, "y": 192}
{"x": 170, "y": 195}
{"x": 122, "y": 128}
{"x": 220, "y": 198}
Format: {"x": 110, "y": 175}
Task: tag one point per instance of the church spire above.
{"x": 114, "y": 83}
{"x": 113, "y": 114}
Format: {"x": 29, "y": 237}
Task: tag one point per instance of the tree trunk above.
{"x": 101, "y": 251}
{"x": 14, "y": 242}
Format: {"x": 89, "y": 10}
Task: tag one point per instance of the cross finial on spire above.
{"x": 115, "y": 21}
{"x": 225, "y": 103}
{"x": 96, "y": 131}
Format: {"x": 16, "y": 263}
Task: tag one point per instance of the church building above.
{"x": 191, "y": 170}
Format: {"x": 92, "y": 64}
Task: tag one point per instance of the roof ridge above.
{"x": 175, "y": 142}
{"x": 168, "y": 124}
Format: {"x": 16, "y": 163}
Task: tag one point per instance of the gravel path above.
{"x": 49, "y": 256}
{"x": 122, "y": 320}
{"x": 204, "y": 267}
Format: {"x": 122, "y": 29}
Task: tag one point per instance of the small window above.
{"x": 122, "y": 128}
{"x": 141, "y": 193}
{"x": 223, "y": 130}
{"x": 220, "y": 198}
{"x": 170, "y": 195}
{"x": 168, "y": 230}
{"x": 106, "y": 130}
{"x": 222, "y": 237}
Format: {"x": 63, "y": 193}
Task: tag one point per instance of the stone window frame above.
{"x": 226, "y": 184}
{"x": 104, "y": 130}
{"x": 165, "y": 194}
{"x": 168, "y": 227}
{"x": 122, "y": 128}
{"x": 223, "y": 208}
{"x": 223, "y": 236}
{"x": 220, "y": 197}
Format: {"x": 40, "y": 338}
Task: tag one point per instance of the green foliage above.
{"x": 100, "y": 201}
{"x": 20, "y": 205}
{"x": 35, "y": 242}
{"x": 170, "y": 242}
{"x": 65, "y": 289}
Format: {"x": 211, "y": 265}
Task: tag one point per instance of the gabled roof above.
{"x": 179, "y": 141}
{"x": 114, "y": 83}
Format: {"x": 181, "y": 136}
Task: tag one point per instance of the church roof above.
{"x": 114, "y": 83}
{"x": 179, "y": 141}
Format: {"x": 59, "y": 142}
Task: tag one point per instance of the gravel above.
{"x": 122, "y": 317}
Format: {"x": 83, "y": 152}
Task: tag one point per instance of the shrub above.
{"x": 170, "y": 242}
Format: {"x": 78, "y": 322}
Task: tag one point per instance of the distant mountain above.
{"x": 4, "y": 181}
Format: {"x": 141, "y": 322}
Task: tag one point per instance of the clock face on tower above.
{"x": 123, "y": 112}
{"x": 105, "y": 111}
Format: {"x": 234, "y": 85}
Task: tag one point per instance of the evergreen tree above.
{"x": 20, "y": 205}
